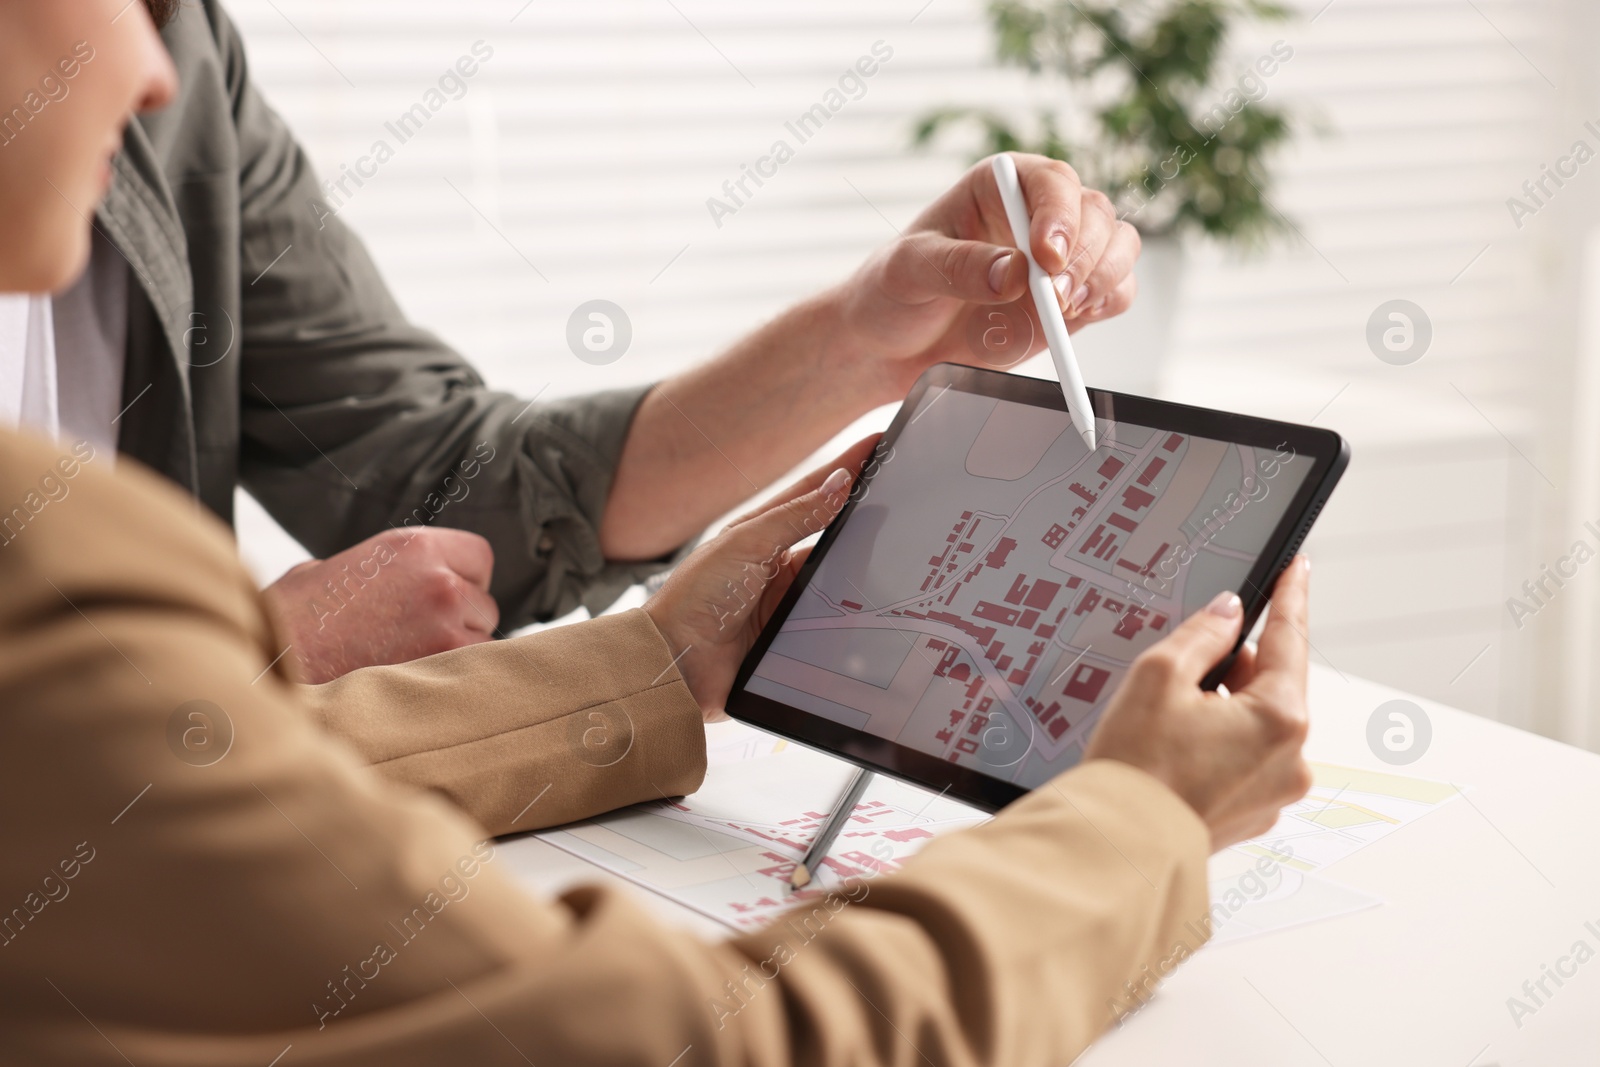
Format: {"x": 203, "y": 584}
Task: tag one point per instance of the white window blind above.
{"x": 577, "y": 162}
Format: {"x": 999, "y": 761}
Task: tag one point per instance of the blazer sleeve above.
{"x": 531, "y": 732}
{"x": 197, "y": 873}
{"x": 354, "y": 420}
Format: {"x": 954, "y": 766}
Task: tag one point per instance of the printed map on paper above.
{"x": 727, "y": 852}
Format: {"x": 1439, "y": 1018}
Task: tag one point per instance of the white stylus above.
{"x": 1044, "y": 301}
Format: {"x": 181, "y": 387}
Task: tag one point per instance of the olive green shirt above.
{"x": 264, "y": 350}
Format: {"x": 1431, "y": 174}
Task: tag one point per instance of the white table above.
{"x": 1482, "y": 895}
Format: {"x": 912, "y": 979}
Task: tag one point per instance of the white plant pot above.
{"x": 1128, "y": 353}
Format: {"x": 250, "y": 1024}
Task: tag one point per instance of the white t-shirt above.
{"x": 62, "y": 359}
{"x": 28, "y": 393}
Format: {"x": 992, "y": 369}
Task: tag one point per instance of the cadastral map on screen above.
{"x": 995, "y": 581}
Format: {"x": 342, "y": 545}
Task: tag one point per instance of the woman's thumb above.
{"x": 752, "y": 553}
{"x": 1204, "y": 638}
{"x": 791, "y": 521}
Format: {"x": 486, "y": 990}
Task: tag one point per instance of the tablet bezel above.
{"x": 1329, "y": 453}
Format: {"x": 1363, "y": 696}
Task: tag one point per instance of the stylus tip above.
{"x": 1087, "y": 433}
{"x": 800, "y": 878}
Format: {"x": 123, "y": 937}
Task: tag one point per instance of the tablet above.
{"x": 965, "y": 619}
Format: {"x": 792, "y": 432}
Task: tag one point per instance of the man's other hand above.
{"x": 1236, "y": 757}
{"x": 394, "y": 597}
{"x": 931, "y": 296}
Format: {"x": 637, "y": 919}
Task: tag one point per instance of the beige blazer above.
{"x": 206, "y": 864}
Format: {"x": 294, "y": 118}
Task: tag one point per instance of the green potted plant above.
{"x": 1137, "y": 96}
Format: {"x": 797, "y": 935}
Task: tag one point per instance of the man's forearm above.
{"x": 707, "y": 439}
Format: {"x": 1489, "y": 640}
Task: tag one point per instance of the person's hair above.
{"x": 162, "y": 10}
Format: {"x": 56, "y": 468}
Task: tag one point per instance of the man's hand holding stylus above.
{"x": 912, "y": 304}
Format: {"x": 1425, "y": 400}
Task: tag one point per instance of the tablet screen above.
{"x": 994, "y": 580}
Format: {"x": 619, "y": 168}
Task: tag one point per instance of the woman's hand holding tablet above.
{"x": 713, "y": 606}
{"x": 1233, "y": 756}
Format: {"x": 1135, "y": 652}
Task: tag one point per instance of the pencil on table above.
{"x": 830, "y": 830}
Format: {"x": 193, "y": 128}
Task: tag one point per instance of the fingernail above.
{"x": 837, "y": 482}
{"x": 1059, "y": 243}
{"x": 1080, "y": 296}
{"x": 1063, "y": 283}
{"x": 997, "y": 272}
{"x": 1226, "y": 605}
